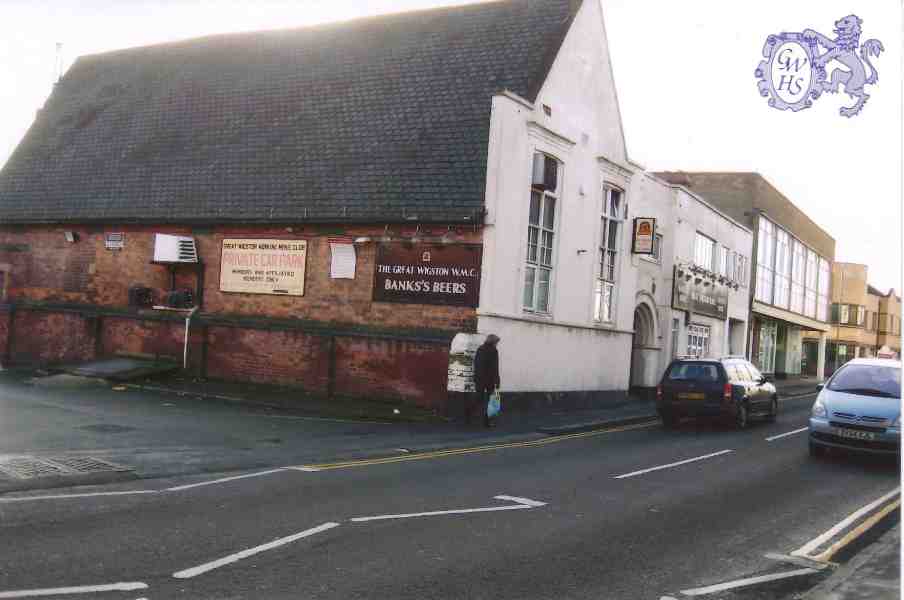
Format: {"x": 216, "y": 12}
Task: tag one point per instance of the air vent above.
{"x": 175, "y": 249}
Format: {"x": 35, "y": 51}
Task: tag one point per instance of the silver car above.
{"x": 859, "y": 408}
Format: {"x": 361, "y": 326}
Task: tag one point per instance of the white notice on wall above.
{"x": 342, "y": 265}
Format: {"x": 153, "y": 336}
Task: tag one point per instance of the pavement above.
{"x": 874, "y": 574}
{"x": 630, "y": 513}
{"x": 177, "y": 425}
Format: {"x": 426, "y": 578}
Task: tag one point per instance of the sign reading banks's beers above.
{"x": 428, "y": 273}
{"x": 263, "y": 266}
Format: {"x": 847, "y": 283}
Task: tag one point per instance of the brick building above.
{"x": 349, "y": 197}
{"x": 370, "y": 134}
{"x": 864, "y": 321}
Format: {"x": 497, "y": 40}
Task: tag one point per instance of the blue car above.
{"x": 859, "y": 409}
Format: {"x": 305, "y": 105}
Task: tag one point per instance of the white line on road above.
{"x": 781, "y": 435}
{"x": 305, "y": 469}
{"x": 223, "y": 480}
{"x": 194, "y": 571}
{"x": 65, "y": 496}
{"x": 730, "y": 585}
{"x": 522, "y": 503}
{"x": 82, "y": 589}
{"x": 525, "y": 501}
{"x": 816, "y": 542}
{"x": 670, "y": 465}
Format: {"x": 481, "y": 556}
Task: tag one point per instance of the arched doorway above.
{"x": 644, "y": 351}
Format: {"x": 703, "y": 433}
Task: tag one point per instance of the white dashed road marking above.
{"x": 82, "y": 589}
{"x": 781, "y": 435}
{"x": 670, "y": 465}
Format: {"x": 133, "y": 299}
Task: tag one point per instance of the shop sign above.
{"x": 428, "y": 273}
{"x": 644, "y": 234}
{"x": 261, "y": 266}
{"x": 701, "y": 299}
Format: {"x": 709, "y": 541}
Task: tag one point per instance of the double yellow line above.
{"x": 473, "y": 450}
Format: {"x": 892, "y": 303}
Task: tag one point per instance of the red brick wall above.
{"x": 41, "y": 337}
{"x": 153, "y": 339}
{"x": 392, "y": 369}
{"x": 283, "y": 357}
{"x": 44, "y": 267}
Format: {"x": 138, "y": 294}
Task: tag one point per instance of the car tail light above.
{"x": 659, "y": 392}
{"x": 727, "y": 394}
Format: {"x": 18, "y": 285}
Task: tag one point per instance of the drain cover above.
{"x": 29, "y": 467}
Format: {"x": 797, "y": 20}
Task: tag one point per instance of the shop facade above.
{"x": 790, "y": 276}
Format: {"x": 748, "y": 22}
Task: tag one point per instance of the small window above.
{"x": 698, "y": 340}
{"x": 705, "y": 252}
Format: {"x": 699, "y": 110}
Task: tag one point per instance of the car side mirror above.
{"x": 768, "y": 379}
{"x": 819, "y": 386}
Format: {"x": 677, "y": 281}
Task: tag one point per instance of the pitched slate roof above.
{"x": 382, "y": 119}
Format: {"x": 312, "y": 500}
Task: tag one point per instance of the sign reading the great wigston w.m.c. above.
{"x": 698, "y": 297}
{"x": 263, "y": 266}
{"x": 428, "y": 273}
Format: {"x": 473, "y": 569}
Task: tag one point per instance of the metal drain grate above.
{"x": 29, "y": 467}
{"x": 87, "y": 464}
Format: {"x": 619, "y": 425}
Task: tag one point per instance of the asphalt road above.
{"x": 598, "y": 515}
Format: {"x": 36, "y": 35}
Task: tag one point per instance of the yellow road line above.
{"x": 475, "y": 449}
{"x": 856, "y": 533}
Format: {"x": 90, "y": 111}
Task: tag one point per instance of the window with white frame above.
{"x": 810, "y": 280}
{"x": 798, "y": 264}
{"x": 742, "y": 270}
{"x": 765, "y": 261}
{"x": 723, "y": 261}
{"x": 612, "y": 222}
{"x": 823, "y": 297}
{"x": 705, "y": 252}
{"x": 782, "y": 268}
{"x": 541, "y": 231}
{"x": 698, "y": 340}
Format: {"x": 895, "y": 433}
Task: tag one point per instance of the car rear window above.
{"x": 694, "y": 372}
{"x": 869, "y": 380}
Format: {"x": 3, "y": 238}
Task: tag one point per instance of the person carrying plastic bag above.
{"x": 486, "y": 380}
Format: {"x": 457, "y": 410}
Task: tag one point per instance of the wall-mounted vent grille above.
{"x": 175, "y": 249}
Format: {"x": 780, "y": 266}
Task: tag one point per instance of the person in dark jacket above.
{"x": 486, "y": 376}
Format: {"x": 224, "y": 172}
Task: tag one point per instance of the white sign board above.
{"x": 253, "y": 266}
{"x": 461, "y": 361}
{"x": 342, "y": 263}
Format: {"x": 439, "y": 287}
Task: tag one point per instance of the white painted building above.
{"x": 560, "y": 285}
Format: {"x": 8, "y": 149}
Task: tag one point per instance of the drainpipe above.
{"x": 187, "y": 325}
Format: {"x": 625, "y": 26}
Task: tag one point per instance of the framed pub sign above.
{"x": 447, "y": 274}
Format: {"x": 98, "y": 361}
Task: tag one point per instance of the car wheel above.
{"x": 740, "y": 420}
{"x": 816, "y": 450}
{"x": 773, "y": 410}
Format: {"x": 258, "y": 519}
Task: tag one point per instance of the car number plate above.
{"x": 691, "y": 396}
{"x": 854, "y": 434}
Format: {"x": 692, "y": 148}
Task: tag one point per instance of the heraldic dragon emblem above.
{"x": 793, "y": 73}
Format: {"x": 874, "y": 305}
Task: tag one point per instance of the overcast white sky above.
{"x": 683, "y": 70}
